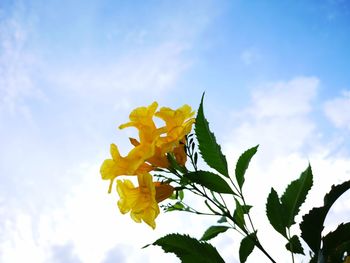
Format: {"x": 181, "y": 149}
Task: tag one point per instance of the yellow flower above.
{"x": 132, "y": 164}
{"x": 142, "y": 119}
{"x": 178, "y": 124}
{"x": 142, "y": 201}
{"x": 158, "y": 159}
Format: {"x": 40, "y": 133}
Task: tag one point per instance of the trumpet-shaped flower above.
{"x": 142, "y": 201}
{"x": 158, "y": 159}
{"x": 178, "y": 124}
{"x": 132, "y": 164}
{"x": 142, "y": 119}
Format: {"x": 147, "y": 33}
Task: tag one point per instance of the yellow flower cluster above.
{"x": 149, "y": 152}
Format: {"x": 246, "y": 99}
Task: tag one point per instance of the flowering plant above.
{"x": 165, "y": 150}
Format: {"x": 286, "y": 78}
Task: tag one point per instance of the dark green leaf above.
{"x": 275, "y": 212}
{"x": 246, "y": 247}
{"x": 222, "y": 219}
{"x": 208, "y": 147}
{"x": 246, "y": 208}
{"x": 295, "y": 246}
{"x": 243, "y": 163}
{"x": 213, "y": 231}
{"x": 336, "y": 243}
{"x": 312, "y": 225}
{"x": 238, "y": 215}
{"x": 195, "y": 158}
{"x": 210, "y": 180}
{"x": 184, "y": 181}
{"x": 295, "y": 195}
{"x": 188, "y": 249}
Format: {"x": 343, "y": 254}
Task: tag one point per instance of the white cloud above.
{"x": 88, "y": 227}
{"x": 338, "y": 110}
{"x": 146, "y": 70}
{"x": 279, "y": 119}
{"x": 285, "y": 98}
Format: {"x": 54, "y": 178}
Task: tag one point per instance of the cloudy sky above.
{"x": 275, "y": 73}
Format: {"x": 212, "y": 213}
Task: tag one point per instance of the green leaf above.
{"x": 275, "y": 212}
{"x": 178, "y": 206}
{"x": 222, "y": 219}
{"x": 243, "y": 163}
{"x": 312, "y": 225}
{"x": 208, "y": 147}
{"x": 246, "y": 247}
{"x": 210, "y": 180}
{"x": 238, "y": 215}
{"x": 336, "y": 243}
{"x": 295, "y": 195}
{"x": 210, "y": 208}
{"x": 189, "y": 249}
{"x": 213, "y": 231}
{"x": 181, "y": 194}
{"x": 294, "y": 245}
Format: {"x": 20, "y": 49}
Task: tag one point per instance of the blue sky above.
{"x": 274, "y": 73}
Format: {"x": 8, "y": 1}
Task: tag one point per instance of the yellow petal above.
{"x": 108, "y": 169}
{"x": 115, "y": 152}
{"x": 140, "y": 201}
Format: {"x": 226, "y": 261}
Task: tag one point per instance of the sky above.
{"x": 275, "y": 73}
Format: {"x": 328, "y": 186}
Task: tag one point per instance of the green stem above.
{"x": 249, "y": 217}
{"x": 255, "y": 240}
{"x": 291, "y": 245}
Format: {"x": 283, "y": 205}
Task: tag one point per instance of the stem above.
{"x": 291, "y": 245}
{"x": 249, "y": 218}
{"x": 228, "y": 215}
{"x": 234, "y": 185}
{"x": 255, "y": 240}
{"x": 223, "y": 200}
{"x": 264, "y": 251}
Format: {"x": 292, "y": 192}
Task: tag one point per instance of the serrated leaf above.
{"x": 336, "y": 243}
{"x": 210, "y": 180}
{"x": 295, "y": 195}
{"x": 246, "y": 247}
{"x": 295, "y": 246}
{"x": 189, "y": 249}
{"x": 243, "y": 163}
{"x": 208, "y": 147}
{"x": 213, "y": 231}
{"x": 312, "y": 225}
{"x": 275, "y": 212}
